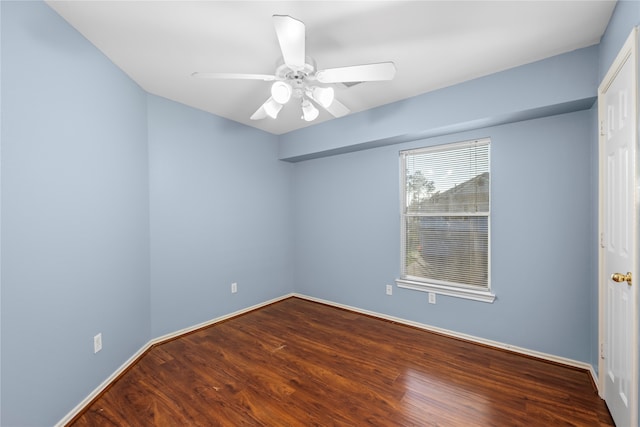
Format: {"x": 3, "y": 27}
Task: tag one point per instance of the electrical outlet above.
{"x": 432, "y": 298}
{"x": 389, "y": 289}
{"x": 97, "y": 343}
{"x": 234, "y": 287}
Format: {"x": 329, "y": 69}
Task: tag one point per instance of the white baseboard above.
{"x": 87, "y": 400}
{"x": 176, "y": 334}
{"x": 595, "y": 379}
{"x": 524, "y": 351}
{"x": 552, "y": 358}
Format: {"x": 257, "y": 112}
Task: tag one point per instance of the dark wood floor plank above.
{"x": 300, "y": 363}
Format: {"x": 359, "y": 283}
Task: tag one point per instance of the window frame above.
{"x": 405, "y": 281}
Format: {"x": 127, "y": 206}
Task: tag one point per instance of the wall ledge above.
{"x": 535, "y": 113}
{"x": 561, "y": 84}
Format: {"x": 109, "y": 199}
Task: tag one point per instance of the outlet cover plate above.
{"x": 432, "y": 298}
{"x": 97, "y": 343}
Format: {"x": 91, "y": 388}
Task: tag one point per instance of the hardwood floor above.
{"x": 300, "y": 363}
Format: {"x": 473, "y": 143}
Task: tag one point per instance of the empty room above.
{"x": 389, "y": 213}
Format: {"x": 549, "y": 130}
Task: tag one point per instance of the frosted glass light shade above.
{"x": 324, "y": 95}
{"x": 309, "y": 112}
{"x": 281, "y": 92}
{"x": 272, "y": 108}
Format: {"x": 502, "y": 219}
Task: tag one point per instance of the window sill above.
{"x": 472, "y": 294}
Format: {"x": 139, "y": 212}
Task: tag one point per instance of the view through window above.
{"x": 445, "y": 215}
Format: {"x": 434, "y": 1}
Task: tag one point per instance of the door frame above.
{"x": 629, "y": 51}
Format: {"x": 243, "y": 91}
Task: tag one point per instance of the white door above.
{"x": 617, "y": 112}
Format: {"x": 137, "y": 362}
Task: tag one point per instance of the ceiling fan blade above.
{"x": 358, "y": 73}
{"x": 259, "y": 114}
{"x": 291, "y": 36}
{"x": 337, "y": 109}
{"x": 270, "y": 108}
{"x": 239, "y": 76}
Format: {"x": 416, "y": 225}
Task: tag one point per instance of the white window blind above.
{"x": 445, "y": 215}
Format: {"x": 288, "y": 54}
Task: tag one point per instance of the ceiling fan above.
{"x": 298, "y": 78}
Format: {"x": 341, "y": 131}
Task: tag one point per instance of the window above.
{"x": 445, "y": 210}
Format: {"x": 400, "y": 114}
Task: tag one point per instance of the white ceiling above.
{"x": 434, "y": 44}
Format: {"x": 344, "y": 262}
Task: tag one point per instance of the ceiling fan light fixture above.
{"x": 272, "y": 108}
{"x": 309, "y": 112}
{"x": 324, "y": 95}
{"x": 296, "y": 76}
{"x": 281, "y": 92}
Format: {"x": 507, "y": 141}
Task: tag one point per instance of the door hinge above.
{"x": 602, "y": 351}
{"x": 602, "y": 240}
{"x": 601, "y": 127}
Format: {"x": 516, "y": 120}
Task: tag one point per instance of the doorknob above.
{"x": 619, "y": 277}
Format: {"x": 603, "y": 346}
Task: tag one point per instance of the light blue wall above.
{"x": 555, "y": 85}
{"x": 347, "y": 236}
{"x": 363, "y": 149}
{"x": 127, "y": 214}
{"x": 114, "y": 202}
{"x": 220, "y": 213}
{"x": 625, "y": 16}
{"x": 0, "y": 214}
{"x": 75, "y": 236}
